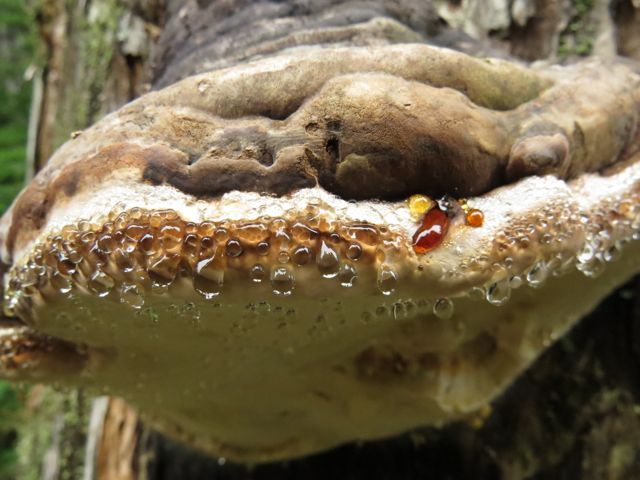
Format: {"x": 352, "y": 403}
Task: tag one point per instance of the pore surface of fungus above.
{"x": 236, "y": 253}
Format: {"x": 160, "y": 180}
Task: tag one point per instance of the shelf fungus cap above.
{"x": 325, "y": 246}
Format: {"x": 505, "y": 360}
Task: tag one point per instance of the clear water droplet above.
{"x": 612, "y": 254}
{"x": 354, "y": 251}
{"x": 130, "y": 294}
{"x": 263, "y": 248}
{"x": 60, "y": 283}
{"x": 443, "y": 308}
{"x": 586, "y": 253}
{"x": 515, "y": 282}
{"x": 66, "y": 266}
{"x": 301, "y": 255}
{"x": 347, "y": 275}
{"x": 282, "y": 281}
{"x": 387, "y": 280}
{"x": 593, "y": 268}
{"x": 327, "y": 260}
{"x": 283, "y": 257}
{"x": 234, "y": 248}
{"x": 257, "y": 273}
{"x": 476, "y": 294}
{"x": 208, "y": 282}
{"x": 100, "y": 284}
{"x": 499, "y": 293}
{"x": 537, "y": 274}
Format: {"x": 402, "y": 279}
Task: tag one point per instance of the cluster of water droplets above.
{"x": 547, "y": 246}
{"x": 552, "y": 237}
{"x": 130, "y": 253}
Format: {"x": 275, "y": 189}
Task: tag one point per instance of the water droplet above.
{"x": 515, "y": 282}
{"x": 283, "y": 257}
{"x": 387, "y": 280}
{"x": 347, "y": 275}
{"x": 443, "y": 308}
{"x": 499, "y": 293}
{"x": 282, "y": 281}
{"x": 262, "y": 248}
{"x": 171, "y": 237}
{"x": 363, "y": 233}
{"x": 258, "y": 273}
{"x": 100, "y": 283}
{"x": 148, "y": 244}
{"x": 123, "y": 261}
{"x": 163, "y": 271}
{"x": 327, "y": 261}
{"x": 208, "y": 280}
{"x": 66, "y": 266}
{"x": 301, "y": 255}
{"x": 612, "y": 253}
{"x": 476, "y": 294}
{"x": 221, "y": 235}
{"x": 537, "y": 274}
{"x": 190, "y": 246}
{"x": 234, "y": 248}
{"x": 159, "y": 287}
{"x": 354, "y": 251}
{"x": 398, "y": 311}
{"x": 586, "y": 253}
{"x": 106, "y": 243}
{"x": 302, "y": 233}
{"x": 592, "y": 268}
{"x": 130, "y": 294}
{"x": 60, "y": 283}
{"x": 10, "y": 305}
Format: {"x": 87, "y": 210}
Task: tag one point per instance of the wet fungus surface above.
{"x": 320, "y": 247}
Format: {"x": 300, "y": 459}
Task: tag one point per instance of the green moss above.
{"x": 55, "y": 422}
{"x": 91, "y": 40}
{"x": 578, "y": 37}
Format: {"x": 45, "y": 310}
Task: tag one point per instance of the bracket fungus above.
{"x": 326, "y": 244}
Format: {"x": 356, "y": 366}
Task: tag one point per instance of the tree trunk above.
{"x": 574, "y": 414}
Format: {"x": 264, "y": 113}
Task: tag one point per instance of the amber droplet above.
{"x": 419, "y": 205}
{"x": 435, "y": 224}
{"x": 474, "y": 218}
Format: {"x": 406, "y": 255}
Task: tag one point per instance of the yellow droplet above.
{"x": 419, "y": 205}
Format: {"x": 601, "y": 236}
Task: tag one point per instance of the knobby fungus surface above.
{"x": 327, "y": 244}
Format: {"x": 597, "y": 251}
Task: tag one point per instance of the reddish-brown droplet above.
{"x": 435, "y": 224}
{"x": 474, "y": 218}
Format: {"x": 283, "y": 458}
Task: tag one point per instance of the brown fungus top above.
{"x": 380, "y": 122}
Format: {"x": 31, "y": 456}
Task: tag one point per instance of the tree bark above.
{"x": 574, "y": 414}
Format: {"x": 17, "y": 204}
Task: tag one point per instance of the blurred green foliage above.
{"x": 17, "y": 41}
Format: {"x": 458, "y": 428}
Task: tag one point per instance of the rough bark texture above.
{"x": 575, "y": 414}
